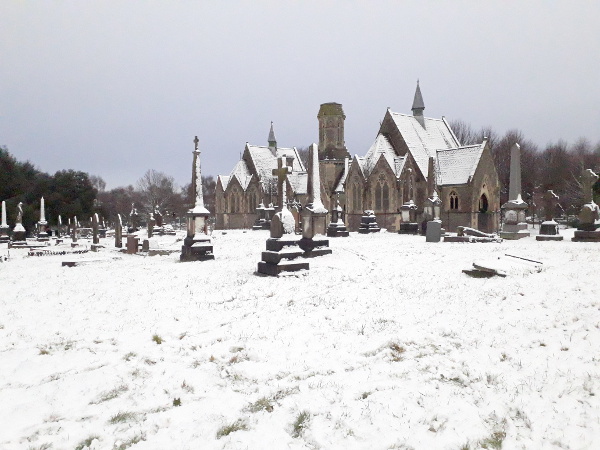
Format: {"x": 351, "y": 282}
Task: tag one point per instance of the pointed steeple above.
{"x": 272, "y": 141}
{"x": 418, "y": 104}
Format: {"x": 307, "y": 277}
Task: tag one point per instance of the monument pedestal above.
{"x": 408, "y": 228}
{"x": 549, "y": 232}
{"x": 514, "y": 226}
{"x": 280, "y": 255}
{"x": 4, "y": 237}
{"x": 337, "y": 229}
{"x": 586, "y": 236}
{"x": 368, "y": 224}
{"x": 198, "y": 248}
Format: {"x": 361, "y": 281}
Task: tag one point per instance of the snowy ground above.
{"x": 384, "y": 344}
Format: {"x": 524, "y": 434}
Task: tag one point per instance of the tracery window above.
{"x": 453, "y": 200}
{"x": 382, "y": 194}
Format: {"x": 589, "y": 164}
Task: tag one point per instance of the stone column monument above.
{"x": 197, "y": 245}
{"x": 274, "y": 260}
{"x": 42, "y": 224}
{"x": 314, "y": 214}
{"x": 514, "y": 226}
{"x": 549, "y": 227}
{"x": 4, "y": 228}
{"x": 74, "y": 232}
{"x": 588, "y": 229}
{"x": 19, "y": 232}
{"x": 119, "y": 232}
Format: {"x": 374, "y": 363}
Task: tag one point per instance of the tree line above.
{"x": 557, "y": 166}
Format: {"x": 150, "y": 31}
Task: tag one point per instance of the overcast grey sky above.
{"x": 117, "y": 88}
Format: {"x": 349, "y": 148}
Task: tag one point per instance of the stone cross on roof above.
{"x": 281, "y": 173}
{"x": 196, "y": 141}
{"x": 589, "y": 178}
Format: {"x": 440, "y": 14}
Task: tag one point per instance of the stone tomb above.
{"x": 368, "y": 223}
{"x": 588, "y": 230}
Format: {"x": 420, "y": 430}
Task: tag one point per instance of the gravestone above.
{"x": 151, "y": 222}
{"x": 434, "y": 231}
{"x": 314, "y": 214}
{"x": 282, "y": 246}
{"x": 42, "y": 224}
{"x": 4, "y": 228}
{"x": 95, "y": 233}
{"x": 74, "y": 233}
{"x": 133, "y": 219}
{"x": 133, "y": 243}
{"x": 261, "y": 221}
{"x": 19, "y": 231}
{"x": 514, "y": 225}
{"x": 549, "y": 227}
{"x": 368, "y": 223}
{"x": 337, "y": 227}
{"x": 119, "y": 232}
{"x": 588, "y": 229}
{"x": 197, "y": 245}
{"x": 59, "y": 228}
{"x": 409, "y": 223}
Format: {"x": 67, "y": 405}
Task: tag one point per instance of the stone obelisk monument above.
{"x": 4, "y": 237}
{"x": 197, "y": 246}
{"x": 42, "y": 224}
{"x": 514, "y": 226}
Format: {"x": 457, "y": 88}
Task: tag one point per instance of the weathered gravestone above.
{"x": 197, "y": 245}
{"x": 119, "y": 232}
{"x": 74, "y": 232}
{"x": 96, "y": 235}
{"x": 151, "y": 222}
{"x": 282, "y": 246}
{"x": 587, "y": 230}
{"x": 549, "y": 227}
{"x": 337, "y": 227}
{"x": 514, "y": 226}
{"x": 368, "y": 223}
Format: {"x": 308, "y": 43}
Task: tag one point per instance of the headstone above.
{"x": 549, "y": 227}
{"x": 409, "y": 223}
{"x": 434, "y": 231}
{"x": 4, "y": 228}
{"x": 197, "y": 245}
{"x": 119, "y": 232}
{"x": 133, "y": 243}
{"x": 514, "y": 225}
{"x": 261, "y": 221}
{"x": 151, "y": 222}
{"x": 282, "y": 246}
{"x": 74, "y": 233}
{"x": 133, "y": 219}
{"x": 368, "y": 223}
{"x": 59, "y": 227}
{"x": 42, "y": 224}
{"x": 588, "y": 230}
{"x": 314, "y": 214}
{"x": 19, "y": 231}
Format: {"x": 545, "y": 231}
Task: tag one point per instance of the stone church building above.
{"x": 411, "y": 157}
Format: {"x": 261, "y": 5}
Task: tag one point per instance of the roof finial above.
{"x": 272, "y": 141}
{"x": 418, "y": 106}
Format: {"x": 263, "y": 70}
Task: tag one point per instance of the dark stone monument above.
{"x": 133, "y": 219}
{"x": 282, "y": 246}
{"x": 549, "y": 227}
{"x": 368, "y": 223}
{"x": 197, "y": 245}
{"x": 588, "y": 229}
{"x": 337, "y": 227}
{"x": 133, "y": 243}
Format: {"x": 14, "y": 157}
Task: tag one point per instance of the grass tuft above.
{"x": 109, "y": 395}
{"x": 122, "y": 417}
{"x": 86, "y": 442}
{"x": 493, "y": 441}
{"x": 300, "y": 424}
{"x": 156, "y": 338}
{"x": 226, "y": 430}
{"x": 397, "y": 351}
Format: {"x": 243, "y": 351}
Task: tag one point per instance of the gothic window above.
{"x": 483, "y": 203}
{"x": 386, "y": 197}
{"x": 378, "y": 196}
{"x": 453, "y": 200}
{"x": 356, "y": 197}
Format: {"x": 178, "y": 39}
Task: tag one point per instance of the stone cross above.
{"x": 281, "y": 173}
{"x": 514, "y": 186}
{"x": 589, "y": 178}
{"x": 550, "y": 200}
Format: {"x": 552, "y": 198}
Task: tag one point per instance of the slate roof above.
{"x": 423, "y": 142}
{"x": 457, "y": 166}
{"x": 381, "y": 148}
{"x": 242, "y": 173}
{"x": 299, "y": 182}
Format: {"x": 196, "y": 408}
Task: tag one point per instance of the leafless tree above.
{"x": 157, "y": 188}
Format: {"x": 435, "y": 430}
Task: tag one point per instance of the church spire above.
{"x": 272, "y": 141}
{"x": 418, "y": 106}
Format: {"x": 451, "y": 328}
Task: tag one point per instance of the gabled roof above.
{"x": 224, "y": 180}
{"x": 381, "y": 148}
{"x": 264, "y": 161}
{"x": 424, "y": 141}
{"x": 242, "y": 173}
{"x": 458, "y": 165}
{"x": 342, "y": 181}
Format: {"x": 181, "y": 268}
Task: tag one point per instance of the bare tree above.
{"x": 157, "y": 188}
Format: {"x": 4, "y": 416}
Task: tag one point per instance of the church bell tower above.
{"x": 331, "y": 132}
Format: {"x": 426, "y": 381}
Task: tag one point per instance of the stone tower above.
{"x": 331, "y": 132}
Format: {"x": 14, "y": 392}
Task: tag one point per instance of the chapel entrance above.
{"x": 483, "y": 219}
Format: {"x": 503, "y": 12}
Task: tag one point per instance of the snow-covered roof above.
{"x": 242, "y": 173}
{"x": 424, "y": 141}
{"x": 224, "y": 180}
{"x": 299, "y": 182}
{"x": 457, "y": 166}
{"x": 381, "y": 148}
{"x": 264, "y": 161}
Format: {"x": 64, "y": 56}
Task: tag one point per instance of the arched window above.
{"x": 378, "y": 197}
{"x": 386, "y": 197}
{"x": 483, "y": 203}
{"x": 453, "y": 200}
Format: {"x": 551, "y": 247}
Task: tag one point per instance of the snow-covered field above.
{"x": 384, "y": 344}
